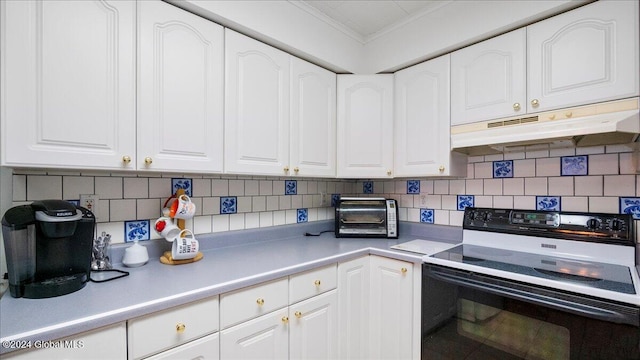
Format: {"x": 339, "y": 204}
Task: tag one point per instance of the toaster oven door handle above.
{"x": 361, "y": 221}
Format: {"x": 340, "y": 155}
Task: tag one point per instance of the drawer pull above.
{"x": 260, "y": 301}
{"x": 298, "y": 314}
{"x": 403, "y": 270}
{"x": 180, "y": 328}
{"x": 316, "y": 283}
{"x": 285, "y": 319}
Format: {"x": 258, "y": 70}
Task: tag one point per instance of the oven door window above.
{"x": 465, "y": 323}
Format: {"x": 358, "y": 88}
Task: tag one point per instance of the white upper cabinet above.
{"x": 422, "y": 127}
{"x": 256, "y": 107}
{"x": 313, "y": 120}
{"x": 584, "y": 56}
{"x": 68, "y": 83}
{"x": 180, "y": 90}
{"x": 365, "y": 126}
{"x": 488, "y": 79}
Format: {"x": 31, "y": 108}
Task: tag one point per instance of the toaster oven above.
{"x": 366, "y": 217}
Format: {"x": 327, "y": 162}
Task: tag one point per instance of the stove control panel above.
{"x": 611, "y": 228}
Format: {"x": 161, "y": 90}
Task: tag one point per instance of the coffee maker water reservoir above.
{"x": 48, "y": 247}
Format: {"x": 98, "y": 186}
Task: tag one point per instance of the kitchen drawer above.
{"x": 310, "y": 283}
{"x": 206, "y": 348}
{"x": 166, "y": 329}
{"x": 251, "y": 302}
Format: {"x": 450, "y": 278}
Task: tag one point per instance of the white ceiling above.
{"x": 364, "y": 20}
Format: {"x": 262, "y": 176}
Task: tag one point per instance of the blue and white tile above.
{"x": 228, "y": 205}
{"x": 630, "y": 205}
{"x": 74, "y": 202}
{"x": 503, "y": 169}
{"x": 182, "y": 183}
{"x": 291, "y": 187}
{"x": 413, "y": 186}
{"x": 427, "y": 216}
{"x": 548, "y": 203}
{"x": 367, "y": 187}
{"x": 137, "y": 230}
{"x": 574, "y": 165}
{"x": 303, "y": 215}
{"x": 465, "y": 201}
{"x": 334, "y": 199}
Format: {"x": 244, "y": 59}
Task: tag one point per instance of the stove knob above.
{"x": 593, "y": 224}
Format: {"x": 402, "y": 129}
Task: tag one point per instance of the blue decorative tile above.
{"x": 574, "y": 165}
{"x": 550, "y": 203}
{"x": 334, "y": 199}
{"x": 367, "y": 187}
{"x": 465, "y": 201}
{"x": 290, "y": 187}
{"x": 413, "y": 186}
{"x": 630, "y": 205}
{"x": 228, "y": 205}
{"x": 136, "y": 230}
{"x": 426, "y": 216}
{"x": 503, "y": 169}
{"x": 303, "y": 215}
{"x": 181, "y": 183}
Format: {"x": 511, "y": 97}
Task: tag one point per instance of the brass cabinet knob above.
{"x": 535, "y": 103}
{"x": 260, "y": 301}
{"x": 296, "y": 169}
{"x": 126, "y": 159}
{"x": 516, "y": 106}
{"x": 148, "y": 160}
{"x": 389, "y": 173}
{"x": 286, "y": 169}
{"x": 316, "y": 283}
{"x": 298, "y": 314}
{"x": 569, "y": 114}
{"x": 180, "y": 328}
{"x": 441, "y": 168}
{"x": 285, "y": 319}
{"x": 403, "y": 270}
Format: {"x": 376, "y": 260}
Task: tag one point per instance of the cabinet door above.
{"x": 265, "y": 337}
{"x": 353, "y": 309}
{"x": 365, "y": 126}
{"x": 584, "y": 56}
{"x": 68, "y": 83}
{"x": 109, "y": 342}
{"x": 206, "y": 348}
{"x": 391, "y": 326}
{"x": 313, "y": 330}
{"x": 313, "y": 120}
{"x": 180, "y": 90}
{"x": 488, "y": 79}
{"x": 422, "y": 129}
{"x": 256, "y": 107}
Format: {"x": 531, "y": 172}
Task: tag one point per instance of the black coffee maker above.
{"x": 48, "y": 247}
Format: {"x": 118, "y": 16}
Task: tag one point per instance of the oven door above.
{"x": 467, "y": 315}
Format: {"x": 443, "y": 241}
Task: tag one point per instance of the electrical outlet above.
{"x": 90, "y": 202}
{"x": 324, "y": 199}
{"x": 423, "y": 200}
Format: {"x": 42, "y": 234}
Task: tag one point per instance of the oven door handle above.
{"x": 628, "y": 315}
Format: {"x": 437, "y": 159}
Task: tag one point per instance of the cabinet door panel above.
{"x": 422, "y": 129}
{"x": 313, "y": 120}
{"x": 353, "y": 308}
{"x": 365, "y": 126}
{"x": 314, "y": 329}
{"x": 584, "y": 56}
{"x": 69, "y": 83}
{"x": 266, "y": 337}
{"x": 180, "y": 92}
{"x": 488, "y": 79}
{"x": 257, "y": 107}
{"x": 206, "y": 348}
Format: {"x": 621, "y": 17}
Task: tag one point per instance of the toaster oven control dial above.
{"x": 616, "y": 225}
{"x": 594, "y": 224}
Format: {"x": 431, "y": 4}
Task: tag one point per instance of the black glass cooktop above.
{"x": 591, "y": 274}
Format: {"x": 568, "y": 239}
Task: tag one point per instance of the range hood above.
{"x": 594, "y": 125}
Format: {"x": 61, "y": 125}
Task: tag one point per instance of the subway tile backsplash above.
{"x": 597, "y": 179}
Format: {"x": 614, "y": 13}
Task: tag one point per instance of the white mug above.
{"x": 182, "y": 208}
{"x": 185, "y": 246}
{"x": 166, "y": 228}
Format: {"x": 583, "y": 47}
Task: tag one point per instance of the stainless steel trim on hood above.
{"x": 616, "y": 122}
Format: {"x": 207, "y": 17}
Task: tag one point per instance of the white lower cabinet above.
{"x": 313, "y": 327}
{"x": 109, "y": 342}
{"x": 168, "y": 329}
{"x": 266, "y": 337}
{"x": 206, "y": 348}
{"x": 379, "y": 306}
